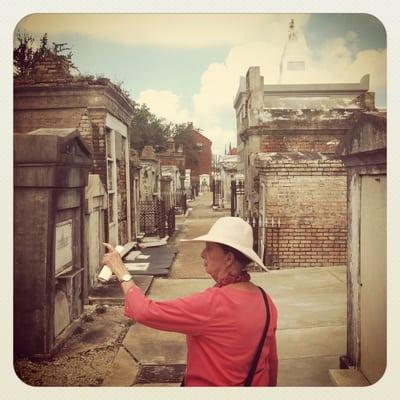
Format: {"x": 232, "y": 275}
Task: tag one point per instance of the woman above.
{"x": 224, "y": 324}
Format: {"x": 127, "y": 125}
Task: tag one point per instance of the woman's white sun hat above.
{"x": 233, "y": 232}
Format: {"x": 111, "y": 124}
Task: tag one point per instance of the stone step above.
{"x": 347, "y": 377}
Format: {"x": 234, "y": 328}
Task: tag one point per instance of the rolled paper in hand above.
{"x": 106, "y": 273}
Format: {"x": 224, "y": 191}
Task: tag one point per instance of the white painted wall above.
{"x": 373, "y": 277}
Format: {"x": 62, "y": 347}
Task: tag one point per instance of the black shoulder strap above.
{"x": 253, "y": 367}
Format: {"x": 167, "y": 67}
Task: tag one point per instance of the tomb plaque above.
{"x": 64, "y": 256}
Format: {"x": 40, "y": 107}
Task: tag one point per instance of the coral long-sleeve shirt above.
{"x": 223, "y": 327}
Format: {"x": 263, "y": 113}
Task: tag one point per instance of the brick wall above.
{"x": 52, "y": 68}
{"x": 99, "y": 146}
{"x": 100, "y": 167}
{"x": 29, "y": 120}
{"x": 52, "y": 98}
{"x": 204, "y": 161}
{"x": 323, "y": 143}
{"x": 85, "y": 129}
{"x": 91, "y": 125}
{"x": 309, "y": 199}
{"x": 177, "y": 159}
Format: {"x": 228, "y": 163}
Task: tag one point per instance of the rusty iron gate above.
{"x": 157, "y": 217}
{"x": 153, "y": 217}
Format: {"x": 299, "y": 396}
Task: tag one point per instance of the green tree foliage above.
{"x": 27, "y": 53}
{"x": 147, "y": 129}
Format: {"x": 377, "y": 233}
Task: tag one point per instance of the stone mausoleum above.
{"x": 295, "y": 185}
{"x": 53, "y": 98}
{"x": 50, "y": 175}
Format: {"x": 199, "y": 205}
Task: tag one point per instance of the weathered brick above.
{"x": 303, "y": 200}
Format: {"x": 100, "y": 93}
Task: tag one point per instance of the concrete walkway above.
{"x": 311, "y": 333}
{"x": 187, "y": 263}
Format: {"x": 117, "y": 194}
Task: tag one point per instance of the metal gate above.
{"x": 156, "y": 219}
{"x": 175, "y": 200}
{"x": 152, "y": 217}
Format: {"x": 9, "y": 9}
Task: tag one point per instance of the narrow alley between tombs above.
{"x": 295, "y": 148}
{"x": 110, "y": 350}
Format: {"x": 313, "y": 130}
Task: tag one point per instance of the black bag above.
{"x": 253, "y": 367}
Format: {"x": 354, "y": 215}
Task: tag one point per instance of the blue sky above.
{"x": 322, "y": 27}
{"x": 161, "y": 68}
{"x": 186, "y": 67}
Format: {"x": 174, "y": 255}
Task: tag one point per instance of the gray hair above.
{"x": 239, "y": 256}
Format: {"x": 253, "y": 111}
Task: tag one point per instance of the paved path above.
{"x": 311, "y": 329}
{"x": 188, "y": 263}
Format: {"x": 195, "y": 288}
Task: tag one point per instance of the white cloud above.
{"x": 334, "y": 63}
{"x": 213, "y": 104}
{"x": 220, "y": 138}
{"x": 165, "y": 104}
{"x": 176, "y": 30}
{"x": 337, "y": 63}
{"x": 374, "y": 63}
{"x": 255, "y": 40}
{"x": 219, "y": 83}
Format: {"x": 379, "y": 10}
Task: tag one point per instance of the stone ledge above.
{"x": 123, "y": 371}
{"x": 176, "y": 384}
{"x": 347, "y": 377}
{"x": 166, "y": 373}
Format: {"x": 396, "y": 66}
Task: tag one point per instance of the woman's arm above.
{"x": 188, "y": 315}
